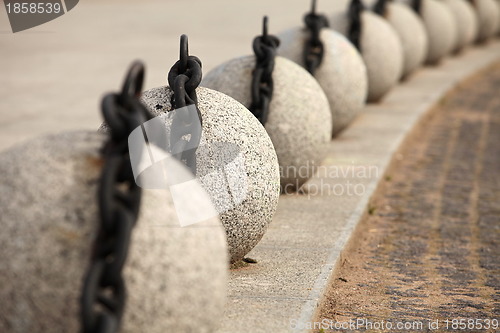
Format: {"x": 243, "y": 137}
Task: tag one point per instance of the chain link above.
{"x": 104, "y": 294}
{"x": 356, "y": 8}
{"x": 417, "y": 6}
{"x": 264, "y": 48}
{"x": 314, "y": 48}
{"x": 184, "y": 77}
{"x": 380, "y": 7}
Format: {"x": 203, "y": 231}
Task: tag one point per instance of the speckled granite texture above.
{"x": 175, "y": 277}
{"x": 245, "y": 190}
{"x": 411, "y": 32}
{"x": 381, "y": 50}
{"x": 342, "y": 73}
{"x": 299, "y": 122}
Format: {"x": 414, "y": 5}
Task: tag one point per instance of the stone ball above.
{"x": 465, "y": 21}
{"x": 441, "y": 30}
{"x": 299, "y": 121}
{"x": 342, "y": 73}
{"x": 176, "y": 278}
{"x": 243, "y": 185}
{"x": 381, "y": 50}
{"x": 488, "y": 14}
{"x": 411, "y": 32}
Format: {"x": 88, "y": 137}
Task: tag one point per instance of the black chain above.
{"x": 264, "y": 48}
{"x": 380, "y": 7}
{"x": 313, "y": 48}
{"x": 103, "y": 297}
{"x": 417, "y": 6}
{"x": 356, "y": 8}
{"x": 184, "y": 77}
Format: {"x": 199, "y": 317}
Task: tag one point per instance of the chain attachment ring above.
{"x": 417, "y": 6}
{"x": 183, "y": 78}
{"x": 314, "y": 48}
{"x": 356, "y": 8}
{"x": 264, "y": 47}
{"x": 380, "y": 7}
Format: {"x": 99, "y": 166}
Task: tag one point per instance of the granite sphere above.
{"x": 411, "y": 32}
{"x": 381, "y": 50}
{"x": 466, "y": 22}
{"x": 299, "y": 121}
{"x": 342, "y": 73}
{"x": 236, "y": 164}
{"x": 176, "y": 278}
{"x": 488, "y": 15}
{"x": 441, "y": 30}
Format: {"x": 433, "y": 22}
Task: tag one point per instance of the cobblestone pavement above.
{"x": 429, "y": 248}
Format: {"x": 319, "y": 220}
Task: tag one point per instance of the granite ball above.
{"x": 488, "y": 15}
{"x": 441, "y": 30}
{"x": 176, "y": 278}
{"x": 243, "y": 185}
{"x": 381, "y": 50}
{"x": 411, "y": 32}
{"x": 465, "y": 20}
{"x": 299, "y": 121}
{"x": 342, "y": 73}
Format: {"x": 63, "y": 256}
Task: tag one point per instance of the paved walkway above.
{"x": 430, "y": 247}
